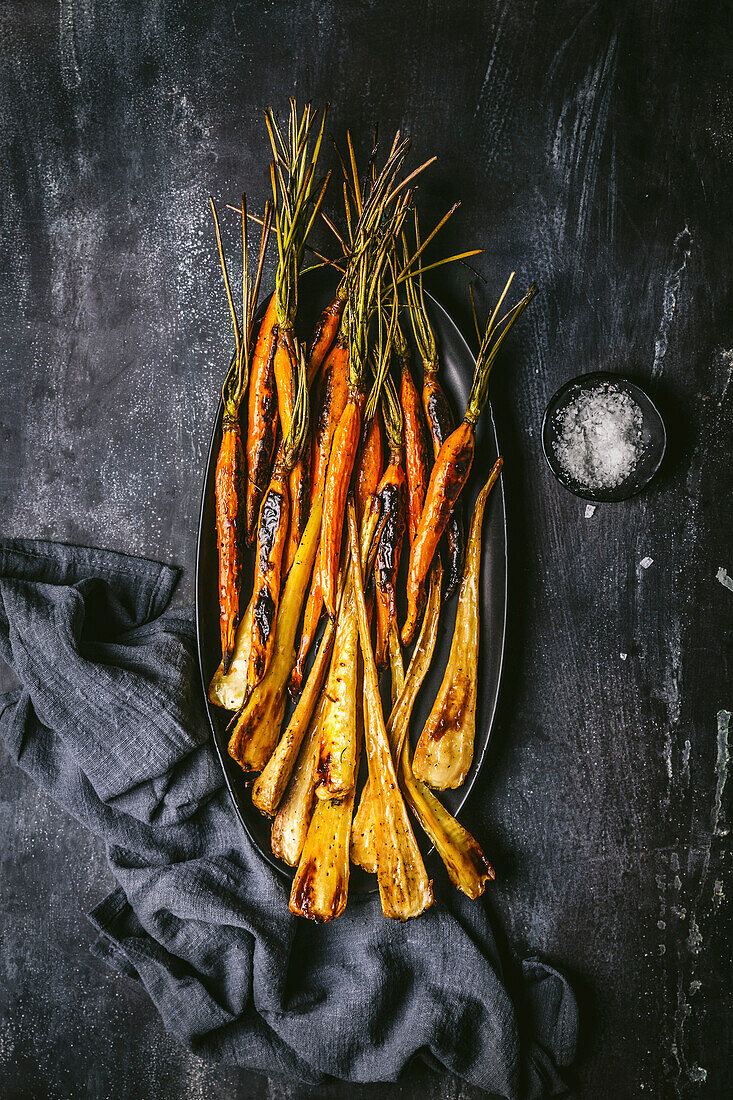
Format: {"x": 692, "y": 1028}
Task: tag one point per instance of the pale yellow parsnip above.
{"x": 444, "y": 751}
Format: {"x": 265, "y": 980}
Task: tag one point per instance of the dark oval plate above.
{"x": 457, "y": 365}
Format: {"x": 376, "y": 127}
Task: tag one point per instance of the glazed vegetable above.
{"x": 404, "y": 887}
{"x": 271, "y": 535}
{"x": 333, "y": 402}
{"x": 229, "y": 475}
{"x": 370, "y": 464}
{"x": 321, "y": 884}
{"x": 296, "y": 199}
{"x": 363, "y": 847}
{"x": 229, "y": 689}
{"x": 337, "y": 753}
{"x": 413, "y": 432}
{"x": 325, "y": 333}
{"x": 440, "y": 419}
{"x": 453, "y": 464}
{"x": 257, "y": 728}
{"x": 391, "y": 502}
{"x": 467, "y": 866}
{"x": 290, "y": 827}
{"x": 445, "y": 749}
{"x": 270, "y": 784}
{"x": 261, "y": 417}
{"x": 381, "y": 216}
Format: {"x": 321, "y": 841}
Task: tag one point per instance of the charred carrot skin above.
{"x": 391, "y": 500}
{"x": 227, "y": 489}
{"x": 262, "y": 425}
{"x": 369, "y": 467}
{"x": 449, "y": 475}
{"x": 441, "y": 422}
{"x": 324, "y": 334}
{"x": 271, "y": 537}
{"x": 338, "y": 480}
{"x": 416, "y": 454}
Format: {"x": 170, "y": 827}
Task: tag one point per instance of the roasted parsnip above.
{"x": 363, "y": 847}
{"x": 445, "y": 749}
{"x": 290, "y": 826}
{"x": 337, "y": 753}
{"x": 270, "y": 784}
{"x": 404, "y": 887}
{"x": 467, "y": 866}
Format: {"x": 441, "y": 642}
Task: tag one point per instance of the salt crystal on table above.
{"x": 589, "y": 510}
{"x": 623, "y": 656}
{"x": 599, "y": 437}
{"x": 646, "y": 562}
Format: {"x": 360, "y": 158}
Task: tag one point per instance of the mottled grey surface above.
{"x": 592, "y": 146}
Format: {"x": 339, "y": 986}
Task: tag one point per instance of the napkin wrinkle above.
{"x": 109, "y": 720}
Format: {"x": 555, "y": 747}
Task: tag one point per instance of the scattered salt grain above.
{"x": 646, "y": 562}
{"x": 623, "y": 656}
{"x": 599, "y": 437}
{"x": 589, "y": 510}
{"x": 725, "y": 580}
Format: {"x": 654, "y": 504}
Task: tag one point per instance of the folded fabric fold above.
{"x": 109, "y": 721}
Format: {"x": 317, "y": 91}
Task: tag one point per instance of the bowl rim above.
{"x": 599, "y": 496}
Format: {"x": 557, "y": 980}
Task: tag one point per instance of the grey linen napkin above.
{"x": 109, "y": 721}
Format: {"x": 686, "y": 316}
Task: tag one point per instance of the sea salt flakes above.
{"x": 599, "y": 437}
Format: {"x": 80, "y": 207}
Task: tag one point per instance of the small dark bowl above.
{"x": 654, "y": 437}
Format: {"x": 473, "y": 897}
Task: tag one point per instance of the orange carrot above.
{"x": 334, "y": 388}
{"x": 390, "y": 500}
{"x": 338, "y": 479}
{"x": 272, "y": 534}
{"x": 230, "y": 460}
{"x": 416, "y": 456}
{"x": 324, "y": 334}
{"x": 369, "y": 467}
{"x": 453, "y": 464}
{"x": 261, "y": 423}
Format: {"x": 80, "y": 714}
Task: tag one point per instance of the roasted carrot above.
{"x": 262, "y": 417}
{"x": 229, "y": 476}
{"x": 440, "y": 419}
{"x": 445, "y": 749}
{"x": 257, "y": 727}
{"x": 413, "y": 433}
{"x": 370, "y": 464}
{"x": 272, "y": 533}
{"x": 453, "y": 464}
{"x": 404, "y": 887}
{"x": 338, "y": 479}
{"x": 381, "y": 217}
{"x": 332, "y": 401}
{"x": 391, "y": 503}
{"x": 325, "y": 333}
{"x": 296, "y": 200}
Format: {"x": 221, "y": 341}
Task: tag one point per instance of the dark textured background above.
{"x": 592, "y": 145}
